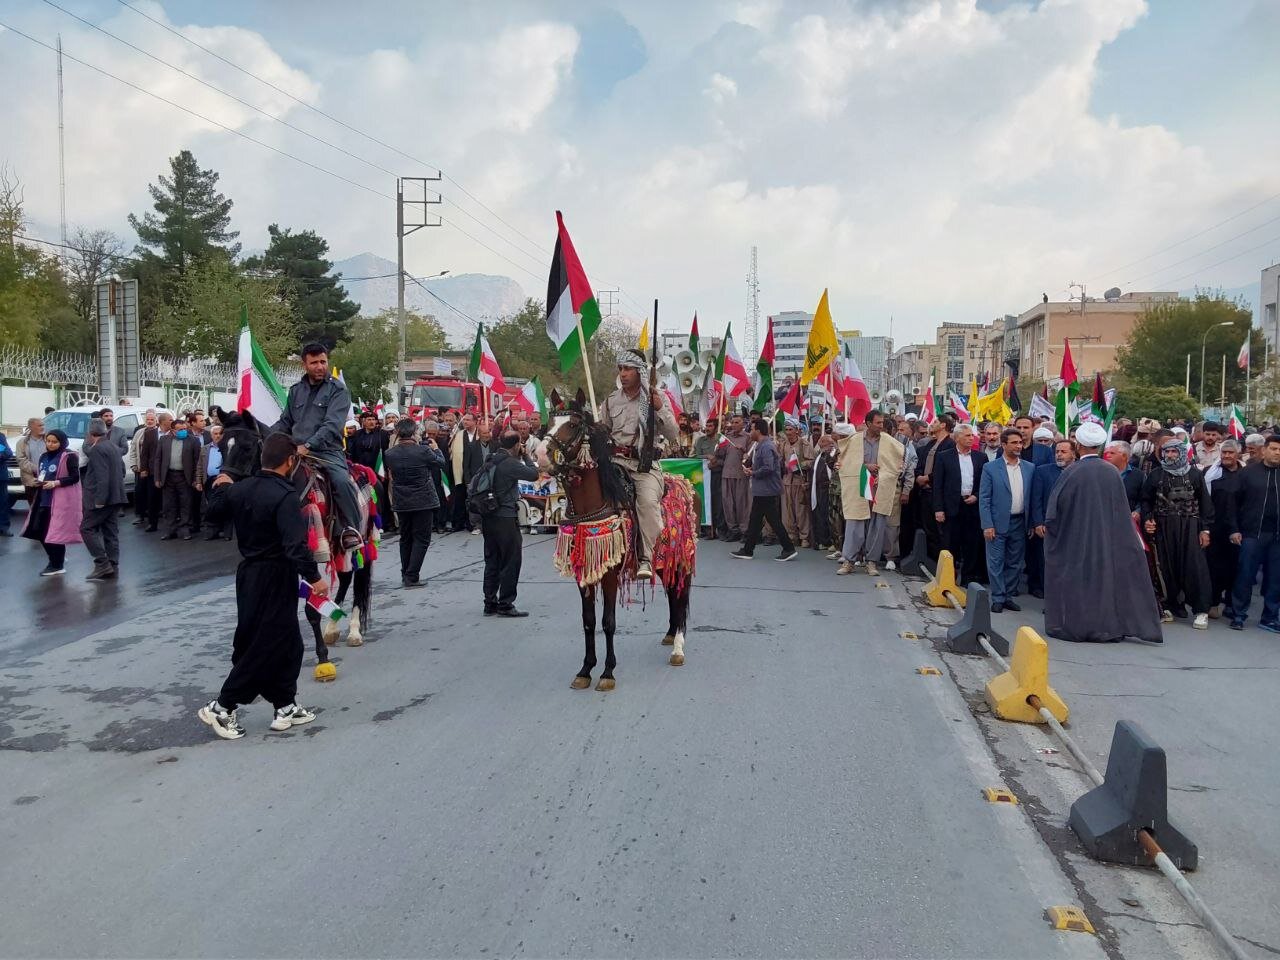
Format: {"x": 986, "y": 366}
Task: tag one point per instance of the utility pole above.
{"x": 753, "y": 306}
{"x": 62, "y": 166}
{"x": 403, "y": 230}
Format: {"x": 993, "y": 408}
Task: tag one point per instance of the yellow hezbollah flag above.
{"x": 974, "y": 403}
{"x": 992, "y": 406}
{"x": 643, "y": 343}
{"x": 823, "y": 345}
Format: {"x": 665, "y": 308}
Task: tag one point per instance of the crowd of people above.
{"x": 1203, "y": 508}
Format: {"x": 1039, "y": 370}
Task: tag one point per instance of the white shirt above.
{"x": 1015, "y": 487}
{"x": 991, "y": 452}
{"x": 966, "y": 474}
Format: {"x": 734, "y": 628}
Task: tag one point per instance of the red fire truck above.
{"x": 436, "y": 393}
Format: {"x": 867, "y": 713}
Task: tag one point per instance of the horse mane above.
{"x": 601, "y": 446}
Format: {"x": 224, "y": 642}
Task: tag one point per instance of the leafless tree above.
{"x": 12, "y": 219}
{"x": 94, "y": 255}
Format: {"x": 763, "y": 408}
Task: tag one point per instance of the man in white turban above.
{"x": 1096, "y": 583}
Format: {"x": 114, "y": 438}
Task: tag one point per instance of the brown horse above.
{"x": 597, "y": 538}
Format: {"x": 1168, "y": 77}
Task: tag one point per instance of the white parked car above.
{"x": 74, "y": 422}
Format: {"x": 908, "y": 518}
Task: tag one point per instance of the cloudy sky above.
{"x": 929, "y": 161}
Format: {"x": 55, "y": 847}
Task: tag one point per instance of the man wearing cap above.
{"x": 797, "y": 453}
{"x": 1092, "y": 595}
{"x": 625, "y": 413}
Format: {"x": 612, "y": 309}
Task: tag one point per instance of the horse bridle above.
{"x": 565, "y": 457}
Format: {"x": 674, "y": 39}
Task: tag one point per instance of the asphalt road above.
{"x": 796, "y": 789}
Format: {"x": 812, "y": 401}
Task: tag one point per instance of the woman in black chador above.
{"x": 1177, "y": 512}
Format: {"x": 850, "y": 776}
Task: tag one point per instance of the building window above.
{"x": 955, "y": 345}
{"x": 955, "y": 369}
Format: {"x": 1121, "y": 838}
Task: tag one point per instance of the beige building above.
{"x": 1095, "y": 329}
{"x": 909, "y": 368}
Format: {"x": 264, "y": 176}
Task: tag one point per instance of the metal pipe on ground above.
{"x": 1158, "y": 857}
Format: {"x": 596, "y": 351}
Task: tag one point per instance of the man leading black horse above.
{"x": 314, "y": 415}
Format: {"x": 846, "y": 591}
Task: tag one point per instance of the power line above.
{"x": 200, "y": 116}
{"x": 465, "y": 316}
{"x": 1234, "y": 256}
{"x": 1193, "y": 236}
{"x": 333, "y": 119}
{"x": 1223, "y": 243}
{"x": 133, "y": 259}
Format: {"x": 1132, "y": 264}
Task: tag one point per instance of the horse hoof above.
{"x": 606, "y": 683}
{"x": 580, "y": 683}
{"x": 677, "y": 660}
{"x": 668, "y": 640}
{"x": 355, "y": 641}
{"x": 326, "y": 673}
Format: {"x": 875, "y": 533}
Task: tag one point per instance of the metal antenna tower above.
{"x": 753, "y": 307}
{"x": 62, "y": 167}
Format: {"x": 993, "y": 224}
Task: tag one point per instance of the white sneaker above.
{"x": 890, "y": 566}
{"x": 475, "y": 532}
{"x": 1201, "y": 621}
{"x": 834, "y": 555}
{"x": 291, "y": 716}
{"x": 644, "y": 571}
{"x": 222, "y": 720}
{"x": 1166, "y": 616}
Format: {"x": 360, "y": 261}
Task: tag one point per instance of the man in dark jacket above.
{"x": 102, "y": 488}
{"x": 1222, "y": 479}
{"x": 1255, "y": 528}
{"x": 957, "y": 477}
{"x": 1043, "y": 479}
{"x": 439, "y": 518}
{"x": 266, "y": 651}
{"x": 145, "y": 493}
{"x": 466, "y": 456}
{"x": 115, "y": 435}
{"x": 503, "y": 544}
{"x": 409, "y": 465}
{"x": 314, "y": 415}
{"x": 173, "y": 470}
{"x": 371, "y": 440}
{"x": 765, "y": 471}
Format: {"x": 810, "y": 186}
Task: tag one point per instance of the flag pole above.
{"x": 591, "y": 387}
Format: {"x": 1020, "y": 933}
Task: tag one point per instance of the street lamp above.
{"x": 1224, "y": 323}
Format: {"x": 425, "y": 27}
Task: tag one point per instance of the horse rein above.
{"x": 564, "y": 457}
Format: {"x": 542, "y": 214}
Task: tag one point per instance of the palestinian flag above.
{"x": 1237, "y": 425}
{"x": 1068, "y": 370}
{"x": 484, "y": 365}
{"x": 866, "y": 484}
{"x": 1099, "y": 402}
{"x": 260, "y": 391}
{"x": 693, "y": 336}
{"x": 764, "y": 371}
{"x": 378, "y": 466}
{"x": 733, "y": 372}
{"x": 531, "y": 399}
{"x": 1065, "y": 414}
{"x": 570, "y": 300}
{"x": 327, "y": 609}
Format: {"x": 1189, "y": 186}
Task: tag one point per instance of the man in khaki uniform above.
{"x": 797, "y": 455}
{"x": 866, "y": 520}
{"x": 625, "y": 413}
{"x": 735, "y": 485}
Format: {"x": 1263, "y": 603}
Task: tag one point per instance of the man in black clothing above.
{"x": 1255, "y": 528}
{"x": 363, "y": 447}
{"x": 466, "y": 457}
{"x": 409, "y": 465}
{"x": 102, "y": 488}
{"x": 439, "y": 517}
{"x": 1222, "y": 479}
{"x": 957, "y": 476}
{"x": 503, "y": 545}
{"x": 266, "y": 651}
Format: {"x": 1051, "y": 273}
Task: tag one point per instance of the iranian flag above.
{"x": 764, "y": 371}
{"x": 327, "y": 609}
{"x": 956, "y": 402}
{"x": 709, "y": 403}
{"x": 570, "y": 300}
{"x": 531, "y": 399}
{"x": 733, "y": 372}
{"x": 1237, "y": 426}
{"x": 260, "y": 391}
{"x": 1242, "y": 358}
{"x": 671, "y": 387}
{"x": 866, "y": 484}
{"x": 483, "y": 366}
{"x": 853, "y": 391}
{"x": 928, "y": 406}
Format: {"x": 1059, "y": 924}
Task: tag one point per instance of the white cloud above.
{"x": 932, "y": 160}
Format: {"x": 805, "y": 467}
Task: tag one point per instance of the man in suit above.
{"x": 145, "y": 491}
{"x": 1036, "y": 454}
{"x": 957, "y": 478}
{"x": 1003, "y": 497}
{"x": 927, "y": 455}
{"x": 173, "y": 471}
{"x": 466, "y": 456}
{"x": 102, "y": 489}
{"x": 1043, "y": 480}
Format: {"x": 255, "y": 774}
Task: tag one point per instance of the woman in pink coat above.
{"x": 54, "y": 517}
